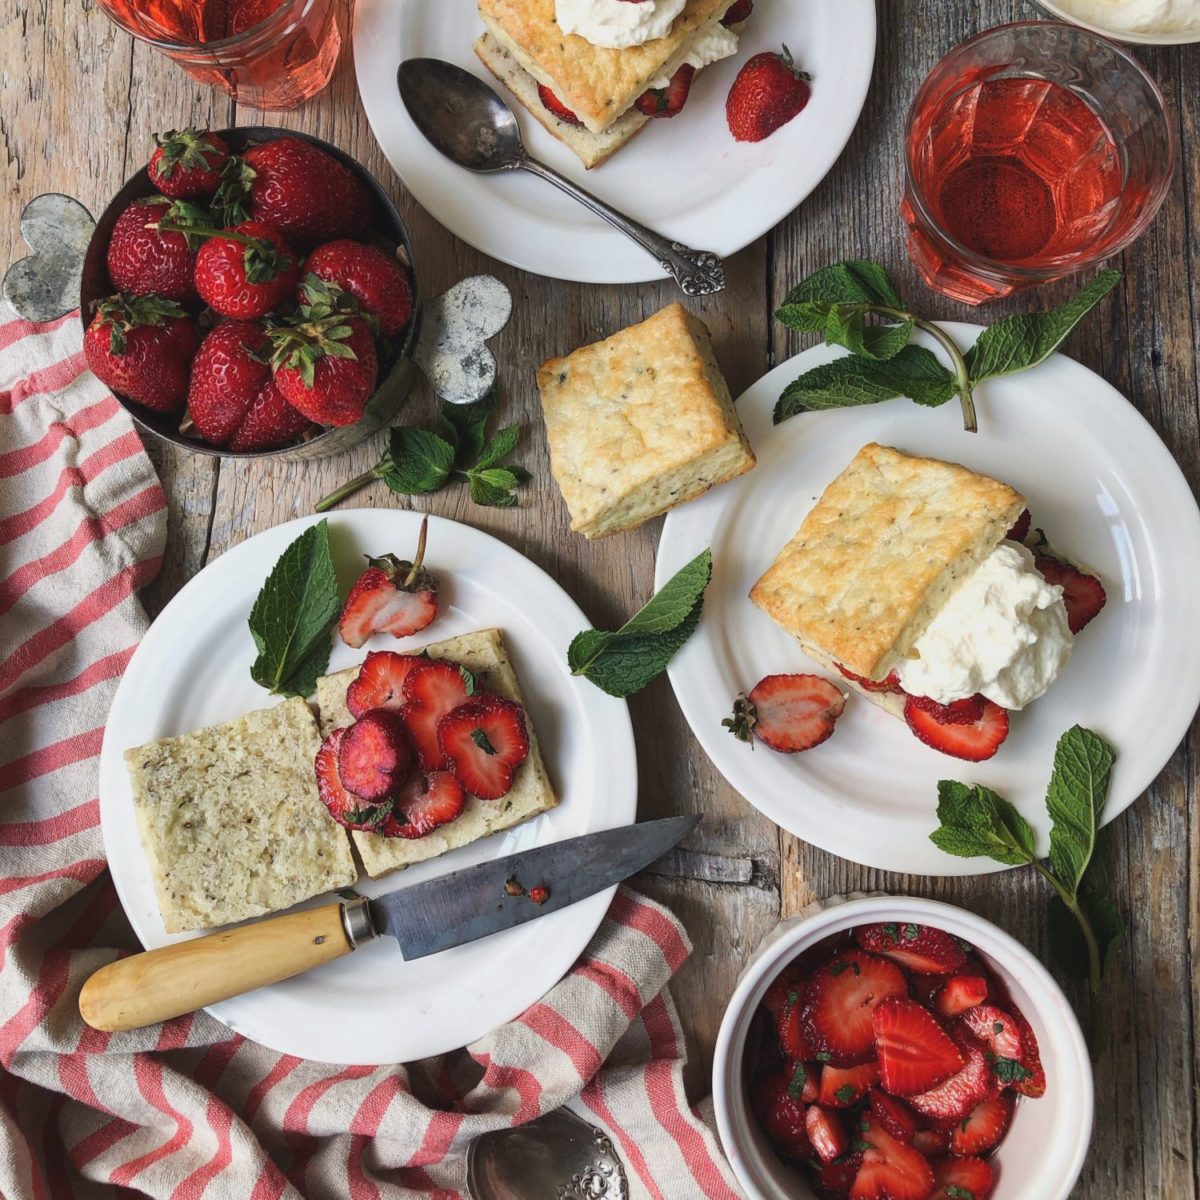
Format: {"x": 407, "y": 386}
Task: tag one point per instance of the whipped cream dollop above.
{"x": 617, "y": 24}
{"x": 1139, "y": 16}
{"x": 711, "y": 46}
{"x": 1003, "y": 632}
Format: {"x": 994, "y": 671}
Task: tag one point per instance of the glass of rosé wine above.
{"x": 267, "y": 54}
{"x": 1032, "y": 151}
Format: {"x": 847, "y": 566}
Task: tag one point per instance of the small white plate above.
{"x": 192, "y": 669}
{"x": 1107, "y": 492}
{"x": 686, "y": 178}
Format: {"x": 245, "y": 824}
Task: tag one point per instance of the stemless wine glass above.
{"x": 1032, "y": 151}
{"x": 266, "y": 55}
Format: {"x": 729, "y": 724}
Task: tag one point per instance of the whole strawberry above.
{"x": 390, "y": 596}
{"x": 270, "y": 422}
{"x": 767, "y": 93}
{"x": 306, "y": 194}
{"x": 144, "y": 258}
{"x": 246, "y": 271}
{"x": 187, "y": 163}
{"x": 142, "y": 347}
{"x": 325, "y": 365}
{"x": 376, "y": 279}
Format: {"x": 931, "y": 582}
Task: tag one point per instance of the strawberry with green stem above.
{"x": 187, "y": 163}
{"x": 153, "y": 247}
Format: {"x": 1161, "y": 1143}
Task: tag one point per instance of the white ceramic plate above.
{"x": 1107, "y": 492}
{"x": 192, "y": 669}
{"x": 686, "y": 178}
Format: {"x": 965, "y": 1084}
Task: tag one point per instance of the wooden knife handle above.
{"x": 156, "y": 985}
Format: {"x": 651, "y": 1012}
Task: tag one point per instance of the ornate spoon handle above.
{"x": 698, "y": 272}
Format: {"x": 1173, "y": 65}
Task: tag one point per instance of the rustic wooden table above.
{"x": 79, "y": 102}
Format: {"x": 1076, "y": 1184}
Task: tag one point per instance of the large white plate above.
{"x": 1107, "y": 492}
{"x": 192, "y": 669}
{"x": 685, "y": 177}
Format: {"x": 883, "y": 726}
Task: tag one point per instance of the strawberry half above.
{"x": 920, "y": 948}
{"x": 931, "y": 1142}
{"x": 953, "y": 1100}
{"x": 779, "y": 1111}
{"x": 737, "y": 12}
{"x": 789, "y": 713}
{"x": 1032, "y": 1085}
{"x": 767, "y": 93}
{"x": 837, "y": 1177}
{"x": 890, "y": 684}
{"x": 975, "y": 742}
{"x": 894, "y": 1115}
{"x": 554, "y": 105}
{"x": 782, "y": 991}
{"x": 484, "y": 741}
{"x": 380, "y": 681}
{"x": 669, "y": 101}
{"x": 390, "y": 596}
{"x": 432, "y": 689}
{"x": 1020, "y": 531}
{"x": 960, "y": 993}
{"x": 827, "y": 1132}
{"x": 839, "y": 1003}
{"x": 983, "y": 1127}
{"x": 375, "y": 754}
{"x": 1000, "y": 1034}
{"x": 844, "y": 1087}
{"x": 789, "y": 1026}
{"x": 346, "y": 809}
{"x": 1083, "y": 594}
{"x": 962, "y": 1179}
{"x": 958, "y": 712}
{"x": 427, "y": 801}
{"x": 915, "y": 1052}
{"x": 891, "y": 1170}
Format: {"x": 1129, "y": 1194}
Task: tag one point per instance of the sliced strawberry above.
{"x": 920, "y": 948}
{"x": 554, "y": 105}
{"x": 1020, "y": 531}
{"x": 669, "y": 101}
{"x": 1033, "y": 1084}
{"x": 1083, "y": 594}
{"x": 1000, "y": 1034}
{"x": 975, "y": 742}
{"x": 891, "y": 1170}
{"x": 931, "y": 1142}
{"x": 958, "y": 712}
{"x": 484, "y": 742}
{"x": 826, "y": 1132}
{"x": 844, "y": 1087}
{"x": 959, "y": 993}
{"x": 789, "y": 713}
{"x": 962, "y": 1179}
{"x": 894, "y": 1115}
{"x": 915, "y": 1052}
{"x": 346, "y": 809}
{"x": 737, "y": 12}
{"x": 779, "y": 1111}
{"x": 837, "y": 1177}
{"x": 380, "y": 681}
{"x": 890, "y": 684}
{"x": 777, "y": 995}
{"x": 431, "y": 690}
{"x": 375, "y": 754}
{"x": 789, "y": 1026}
{"x": 839, "y": 1002}
{"x": 957, "y": 1096}
{"x": 982, "y": 1128}
{"x": 390, "y": 596}
{"x": 426, "y": 801}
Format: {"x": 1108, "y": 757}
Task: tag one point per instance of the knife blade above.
{"x": 474, "y": 902}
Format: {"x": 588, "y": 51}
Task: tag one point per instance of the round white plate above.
{"x": 1108, "y": 494}
{"x": 686, "y": 177}
{"x": 192, "y": 669}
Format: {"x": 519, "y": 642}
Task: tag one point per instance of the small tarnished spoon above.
{"x": 466, "y": 121}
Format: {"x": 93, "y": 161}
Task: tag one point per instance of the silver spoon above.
{"x": 466, "y": 121}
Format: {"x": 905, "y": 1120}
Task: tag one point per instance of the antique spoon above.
{"x": 466, "y": 121}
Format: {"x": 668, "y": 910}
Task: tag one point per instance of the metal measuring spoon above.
{"x": 466, "y": 121}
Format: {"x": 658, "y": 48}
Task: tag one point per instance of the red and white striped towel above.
{"x": 186, "y": 1110}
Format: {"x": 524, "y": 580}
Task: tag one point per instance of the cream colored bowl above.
{"x": 1119, "y": 35}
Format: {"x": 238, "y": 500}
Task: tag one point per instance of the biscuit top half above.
{"x": 880, "y": 553}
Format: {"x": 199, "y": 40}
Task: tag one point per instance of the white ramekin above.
{"x": 1129, "y": 36}
{"x": 1049, "y": 1137}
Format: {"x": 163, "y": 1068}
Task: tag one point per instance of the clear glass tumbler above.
{"x": 1032, "y": 151}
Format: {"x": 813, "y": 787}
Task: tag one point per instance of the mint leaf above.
{"x": 856, "y": 281}
{"x": 293, "y": 615}
{"x": 1024, "y": 340}
{"x": 503, "y": 443}
{"x": 1075, "y": 799}
{"x": 420, "y": 461}
{"x": 465, "y": 427}
{"x": 977, "y": 823}
{"x": 675, "y": 599}
{"x": 493, "y": 488}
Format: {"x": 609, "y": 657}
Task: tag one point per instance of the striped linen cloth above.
{"x": 186, "y": 1110}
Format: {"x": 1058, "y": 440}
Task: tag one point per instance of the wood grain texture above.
{"x": 77, "y": 105}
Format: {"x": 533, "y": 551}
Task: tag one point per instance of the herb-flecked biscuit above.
{"x": 880, "y": 553}
{"x": 482, "y": 654}
{"x": 640, "y": 423}
{"x": 231, "y": 821}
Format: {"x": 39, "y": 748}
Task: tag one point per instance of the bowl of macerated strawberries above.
{"x": 250, "y": 293}
{"x": 894, "y": 1048}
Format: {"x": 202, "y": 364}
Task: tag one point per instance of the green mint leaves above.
{"x": 1085, "y": 926}
{"x": 292, "y": 618}
{"x": 846, "y": 304}
{"x": 420, "y": 461}
{"x": 623, "y": 662}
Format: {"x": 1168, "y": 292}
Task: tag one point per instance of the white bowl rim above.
{"x": 1013, "y": 961}
{"x": 1130, "y": 36}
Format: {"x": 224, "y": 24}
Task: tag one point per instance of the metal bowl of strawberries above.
{"x": 879, "y": 1047}
{"x": 252, "y": 293}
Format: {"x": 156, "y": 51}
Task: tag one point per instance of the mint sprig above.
{"x": 976, "y": 822}
{"x": 420, "y": 461}
{"x": 855, "y": 305}
{"x": 623, "y": 662}
{"x": 294, "y": 614}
